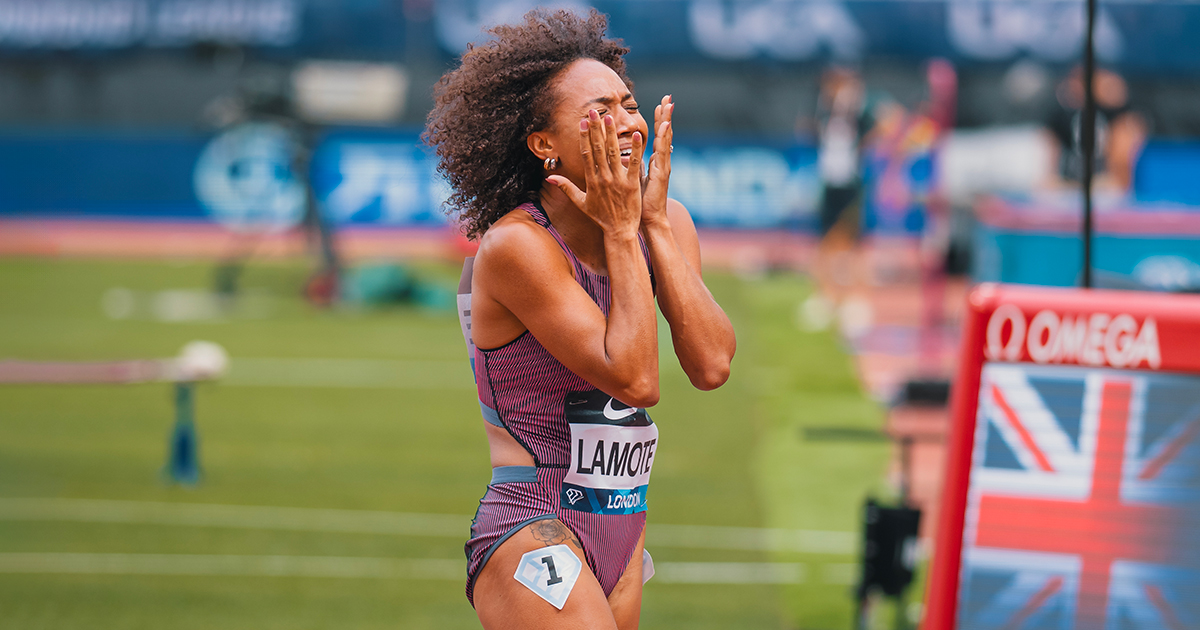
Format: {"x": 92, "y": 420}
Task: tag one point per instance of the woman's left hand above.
{"x": 654, "y": 194}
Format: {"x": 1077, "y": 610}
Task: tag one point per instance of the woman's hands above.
{"x": 654, "y": 199}
{"x": 613, "y": 198}
{"x": 605, "y": 174}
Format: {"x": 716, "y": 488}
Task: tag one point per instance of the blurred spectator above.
{"x": 1120, "y": 131}
{"x": 942, "y": 80}
{"x": 843, "y": 119}
{"x": 903, "y": 208}
{"x": 899, "y": 170}
{"x": 876, "y": 164}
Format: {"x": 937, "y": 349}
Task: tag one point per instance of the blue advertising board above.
{"x": 243, "y": 178}
{"x": 142, "y": 176}
{"x": 389, "y": 179}
{"x": 1143, "y": 35}
{"x": 1135, "y": 246}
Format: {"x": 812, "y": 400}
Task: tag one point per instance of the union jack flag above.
{"x": 1084, "y": 504}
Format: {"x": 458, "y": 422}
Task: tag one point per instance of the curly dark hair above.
{"x": 485, "y": 109}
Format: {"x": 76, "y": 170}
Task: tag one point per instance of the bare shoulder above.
{"x": 516, "y": 239}
{"x": 679, "y": 217}
{"x": 516, "y": 250}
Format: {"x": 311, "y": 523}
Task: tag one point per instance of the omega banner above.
{"x": 1072, "y": 493}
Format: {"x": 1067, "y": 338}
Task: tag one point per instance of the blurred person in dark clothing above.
{"x": 1120, "y": 131}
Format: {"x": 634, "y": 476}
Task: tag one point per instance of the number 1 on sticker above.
{"x": 550, "y": 573}
{"x": 554, "y": 578}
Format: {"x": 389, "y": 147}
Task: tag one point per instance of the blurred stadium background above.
{"x": 249, "y": 172}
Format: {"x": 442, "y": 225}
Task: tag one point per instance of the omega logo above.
{"x": 1087, "y": 339}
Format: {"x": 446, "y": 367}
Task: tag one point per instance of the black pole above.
{"x": 1088, "y": 139}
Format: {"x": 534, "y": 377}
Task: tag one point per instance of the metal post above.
{"x": 1088, "y": 140}
{"x": 183, "y": 460}
{"x": 906, "y": 444}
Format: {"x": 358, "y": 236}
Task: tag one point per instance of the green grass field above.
{"x": 412, "y": 444}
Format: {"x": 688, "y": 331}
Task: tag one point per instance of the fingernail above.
{"x": 593, "y": 114}
{"x": 637, "y": 136}
{"x": 583, "y": 125}
{"x": 608, "y": 120}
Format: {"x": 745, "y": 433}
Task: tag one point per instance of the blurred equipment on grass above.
{"x": 254, "y": 177}
{"x": 187, "y": 305}
{"x": 916, "y": 426}
{"x": 198, "y": 361}
{"x": 889, "y": 559}
{"x": 393, "y": 283}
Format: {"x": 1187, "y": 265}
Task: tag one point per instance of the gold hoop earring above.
{"x": 550, "y": 163}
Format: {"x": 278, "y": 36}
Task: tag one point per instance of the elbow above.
{"x": 644, "y": 393}
{"x": 710, "y": 377}
{"x": 709, "y": 369}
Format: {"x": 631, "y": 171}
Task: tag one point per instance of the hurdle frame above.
{"x": 183, "y": 458}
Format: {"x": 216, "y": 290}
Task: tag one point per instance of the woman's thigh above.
{"x": 504, "y": 603}
{"x": 625, "y": 600}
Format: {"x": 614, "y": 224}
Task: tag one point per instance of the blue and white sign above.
{"x": 380, "y": 179}
{"x": 105, "y": 24}
{"x": 746, "y": 186}
{"x": 390, "y": 179}
{"x": 245, "y": 179}
{"x": 1155, "y": 35}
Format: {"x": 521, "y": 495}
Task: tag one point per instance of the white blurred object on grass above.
{"x": 198, "y": 361}
{"x": 815, "y": 313}
{"x": 202, "y": 361}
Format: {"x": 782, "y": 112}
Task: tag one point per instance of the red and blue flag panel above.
{"x": 1083, "y": 510}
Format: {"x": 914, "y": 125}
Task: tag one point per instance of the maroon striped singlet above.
{"x": 592, "y": 453}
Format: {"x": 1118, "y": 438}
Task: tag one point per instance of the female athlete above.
{"x": 541, "y": 138}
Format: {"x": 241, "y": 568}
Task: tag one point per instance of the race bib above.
{"x": 464, "y": 308}
{"x": 612, "y": 451}
{"x": 550, "y": 573}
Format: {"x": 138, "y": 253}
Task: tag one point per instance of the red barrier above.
{"x": 1072, "y": 489}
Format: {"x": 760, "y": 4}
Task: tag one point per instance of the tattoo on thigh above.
{"x": 552, "y": 532}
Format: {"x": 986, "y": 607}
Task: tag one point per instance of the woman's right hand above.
{"x": 614, "y": 191}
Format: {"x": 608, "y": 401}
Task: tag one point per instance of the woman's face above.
{"x": 585, "y": 85}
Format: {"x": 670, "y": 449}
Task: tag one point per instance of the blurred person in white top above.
{"x": 842, "y": 121}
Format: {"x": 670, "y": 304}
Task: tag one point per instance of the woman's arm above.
{"x": 700, "y": 331}
{"x": 523, "y": 282}
{"x": 525, "y": 278}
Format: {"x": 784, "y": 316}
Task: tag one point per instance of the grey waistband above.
{"x": 510, "y": 474}
{"x": 490, "y": 416}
